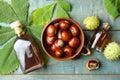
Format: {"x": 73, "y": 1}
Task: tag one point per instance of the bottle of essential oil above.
{"x": 100, "y": 38}
{"x": 27, "y": 50}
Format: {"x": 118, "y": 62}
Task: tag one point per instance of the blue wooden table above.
{"x": 76, "y": 70}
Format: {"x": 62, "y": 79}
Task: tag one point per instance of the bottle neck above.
{"x": 106, "y": 26}
{"x": 19, "y": 31}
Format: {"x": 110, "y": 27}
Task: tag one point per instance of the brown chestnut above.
{"x": 66, "y": 35}
{"x": 50, "y": 40}
{"x": 53, "y": 47}
{"x": 59, "y": 53}
{"x": 74, "y": 30}
{"x": 68, "y": 50}
{"x": 56, "y": 25}
{"x": 64, "y": 24}
{"x": 59, "y": 34}
{"x": 51, "y": 30}
{"x": 74, "y": 42}
{"x": 59, "y": 43}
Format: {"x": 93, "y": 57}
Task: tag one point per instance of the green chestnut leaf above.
{"x": 60, "y": 12}
{"x": 112, "y": 7}
{"x": 43, "y": 15}
{"x": 65, "y": 5}
{"x": 8, "y": 60}
{"x": 8, "y": 14}
{"x": 21, "y": 9}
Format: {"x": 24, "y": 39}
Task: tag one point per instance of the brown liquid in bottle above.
{"x": 27, "y": 51}
{"x": 100, "y": 38}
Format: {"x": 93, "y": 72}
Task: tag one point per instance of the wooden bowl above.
{"x": 46, "y": 47}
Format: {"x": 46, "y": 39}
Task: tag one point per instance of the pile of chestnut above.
{"x": 63, "y": 38}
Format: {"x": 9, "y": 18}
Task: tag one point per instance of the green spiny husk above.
{"x": 112, "y": 51}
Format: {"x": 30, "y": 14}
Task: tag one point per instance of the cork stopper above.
{"x": 15, "y": 24}
{"x": 106, "y": 26}
{"x": 17, "y": 27}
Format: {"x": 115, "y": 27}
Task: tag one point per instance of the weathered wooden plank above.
{"x": 60, "y": 77}
{"x": 79, "y": 66}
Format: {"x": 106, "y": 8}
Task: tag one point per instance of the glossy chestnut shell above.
{"x": 53, "y": 47}
{"x": 51, "y": 30}
{"x": 59, "y": 43}
{"x": 66, "y": 35}
{"x": 60, "y": 34}
{"x": 47, "y": 48}
{"x": 64, "y": 24}
{"x": 74, "y": 42}
{"x": 68, "y": 51}
{"x": 74, "y": 29}
{"x": 59, "y": 53}
{"x": 50, "y": 39}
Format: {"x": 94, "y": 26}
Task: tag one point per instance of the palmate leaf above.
{"x": 65, "y": 5}
{"x": 112, "y": 7}
{"x": 8, "y": 60}
{"x": 8, "y": 14}
{"x": 5, "y": 29}
{"x": 21, "y": 9}
{"x": 37, "y": 30}
{"x": 60, "y": 12}
{"x": 5, "y": 35}
{"x": 43, "y": 15}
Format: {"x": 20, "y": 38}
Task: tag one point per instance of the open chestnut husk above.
{"x": 85, "y": 51}
{"x": 93, "y": 64}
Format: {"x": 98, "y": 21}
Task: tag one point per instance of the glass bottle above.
{"x": 100, "y": 38}
{"x": 27, "y": 50}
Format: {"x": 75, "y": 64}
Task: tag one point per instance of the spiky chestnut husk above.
{"x": 112, "y": 51}
{"x": 91, "y": 22}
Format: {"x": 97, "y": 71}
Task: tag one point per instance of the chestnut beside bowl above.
{"x": 46, "y": 47}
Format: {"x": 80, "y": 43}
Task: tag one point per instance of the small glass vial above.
{"x": 27, "y": 50}
{"x": 100, "y": 38}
